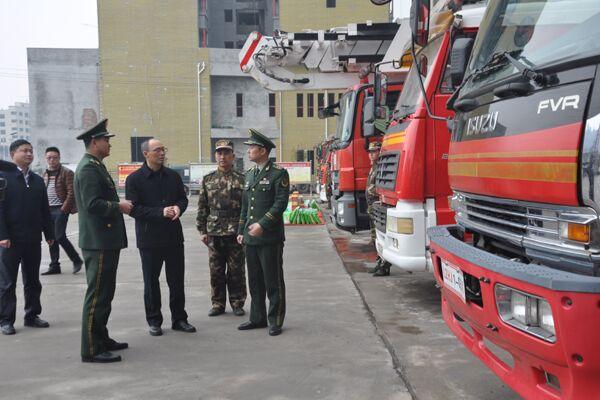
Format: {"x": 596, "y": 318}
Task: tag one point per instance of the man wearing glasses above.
{"x": 159, "y": 199}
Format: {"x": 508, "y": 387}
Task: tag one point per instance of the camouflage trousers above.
{"x": 371, "y": 224}
{"x": 227, "y": 271}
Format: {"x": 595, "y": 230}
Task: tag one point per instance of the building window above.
{"x": 239, "y": 105}
{"x": 228, "y": 15}
{"x": 299, "y": 105}
{"x": 26, "y": 129}
{"x": 310, "y": 100}
{"x": 271, "y": 104}
{"x": 27, "y": 114}
{"x": 249, "y": 21}
{"x": 2, "y": 124}
{"x": 320, "y": 101}
{"x": 229, "y": 45}
{"x": 14, "y": 121}
{"x": 330, "y": 98}
{"x": 1, "y": 116}
{"x": 240, "y": 44}
{"x": 330, "y": 3}
{"x": 20, "y": 113}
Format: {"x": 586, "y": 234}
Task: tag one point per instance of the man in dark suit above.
{"x": 24, "y": 215}
{"x": 159, "y": 199}
{"x": 101, "y": 237}
{"x": 261, "y": 229}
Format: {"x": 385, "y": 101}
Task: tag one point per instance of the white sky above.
{"x": 50, "y": 23}
{"x": 39, "y": 23}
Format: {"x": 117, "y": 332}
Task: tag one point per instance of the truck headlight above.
{"x": 400, "y": 225}
{"x": 526, "y": 312}
{"x": 340, "y": 208}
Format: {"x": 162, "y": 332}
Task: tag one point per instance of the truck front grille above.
{"x": 379, "y": 215}
{"x": 387, "y": 169}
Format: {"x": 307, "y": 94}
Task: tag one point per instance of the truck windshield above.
{"x": 411, "y": 92}
{"x": 346, "y": 118}
{"x": 537, "y": 32}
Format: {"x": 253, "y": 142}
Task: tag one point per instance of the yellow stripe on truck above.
{"x": 527, "y": 171}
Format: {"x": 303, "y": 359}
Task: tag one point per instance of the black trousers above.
{"x": 60, "y": 233}
{"x": 28, "y": 255}
{"x": 152, "y": 262}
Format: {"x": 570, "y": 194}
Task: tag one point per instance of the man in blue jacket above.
{"x": 24, "y": 215}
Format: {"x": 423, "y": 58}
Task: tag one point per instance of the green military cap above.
{"x": 374, "y": 146}
{"x": 98, "y": 131}
{"x": 259, "y": 139}
{"x": 224, "y": 144}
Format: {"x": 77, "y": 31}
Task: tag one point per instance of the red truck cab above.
{"x": 350, "y": 163}
{"x": 519, "y": 272}
{"x": 412, "y": 179}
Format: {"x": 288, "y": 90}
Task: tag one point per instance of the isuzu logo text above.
{"x": 561, "y": 104}
{"x": 482, "y": 124}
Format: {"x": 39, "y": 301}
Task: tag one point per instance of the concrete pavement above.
{"x": 329, "y": 348}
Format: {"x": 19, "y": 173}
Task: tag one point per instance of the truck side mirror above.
{"x": 419, "y": 21}
{"x": 328, "y": 112}
{"x": 459, "y": 57}
{"x": 368, "y": 118}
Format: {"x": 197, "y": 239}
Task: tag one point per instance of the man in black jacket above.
{"x": 24, "y": 215}
{"x": 159, "y": 199}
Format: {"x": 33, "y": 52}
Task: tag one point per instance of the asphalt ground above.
{"x": 330, "y": 347}
{"x": 406, "y": 310}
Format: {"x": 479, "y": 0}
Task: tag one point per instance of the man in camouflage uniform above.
{"x": 218, "y": 217}
{"x": 382, "y": 268}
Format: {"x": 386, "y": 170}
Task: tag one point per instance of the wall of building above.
{"x": 148, "y": 73}
{"x": 244, "y": 15}
{"x": 63, "y": 93}
{"x": 297, "y": 15}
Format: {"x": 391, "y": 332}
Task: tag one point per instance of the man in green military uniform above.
{"x": 101, "y": 237}
{"x": 219, "y": 207}
{"x": 382, "y": 268}
{"x": 261, "y": 229}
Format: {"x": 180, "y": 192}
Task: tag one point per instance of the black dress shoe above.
{"x": 7, "y": 329}
{"x": 238, "y": 311}
{"x": 213, "y": 312}
{"x": 183, "y": 326}
{"x": 155, "y": 330}
{"x": 36, "y": 323}
{"x": 274, "y": 331}
{"x": 106, "y": 357}
{"x": 252, "y": 325}
{"x": 77, "y": 266}
{"x": 113, "y": 345}
{"x": 52, "y": 271}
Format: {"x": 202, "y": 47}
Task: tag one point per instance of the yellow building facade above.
{"x": 155, "y": 81}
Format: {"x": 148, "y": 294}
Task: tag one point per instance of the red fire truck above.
{"x": 412, "y": 178}
{"x": 332, "y": 60}
{"x": 519, "y": 271}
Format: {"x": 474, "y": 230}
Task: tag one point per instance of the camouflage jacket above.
{"x": 220, "y": 203}
{"x": 371, "y": 192}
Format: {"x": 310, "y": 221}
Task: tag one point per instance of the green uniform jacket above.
{"x": 101, "y": 225}
{"x": 264, "y": 200}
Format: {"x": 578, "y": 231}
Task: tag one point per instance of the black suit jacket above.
{"x": 24, "y": 213}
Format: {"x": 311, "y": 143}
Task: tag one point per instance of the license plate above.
{"x": 454, "y": 279}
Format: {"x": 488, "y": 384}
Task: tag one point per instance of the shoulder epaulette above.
{"x": 276, "y": 166}
{"x": 93, "y": 161}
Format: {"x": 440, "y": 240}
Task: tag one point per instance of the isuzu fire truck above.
{"x": 412, "y": 178}
{"x": 519, "y": 272}
{"x": 332, "y": 60}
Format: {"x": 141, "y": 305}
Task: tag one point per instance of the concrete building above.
{"x": 155, "y": 80}
{"x": 227, "y": 23}
{"x": 14, "y": 124}
{"x": 63, "y": 95}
